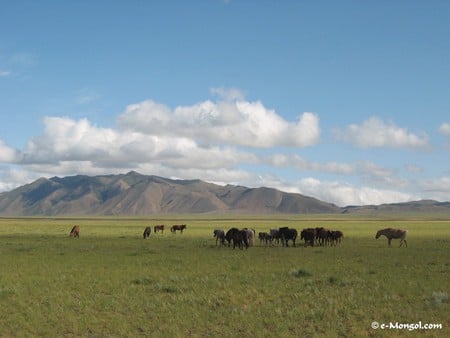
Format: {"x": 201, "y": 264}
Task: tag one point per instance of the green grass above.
{"x": 111, "y": 282}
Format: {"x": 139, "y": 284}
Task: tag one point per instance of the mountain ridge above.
{"x": 137, "y": 194}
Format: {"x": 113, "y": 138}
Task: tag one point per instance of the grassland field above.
{"x": 111, "y": 282}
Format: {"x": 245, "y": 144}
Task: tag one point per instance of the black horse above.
{"x": 147, "y": 232}
{"x": 287, "y": 234}
{"x": 239, "y": 238}
{"x": 308, "y": 235}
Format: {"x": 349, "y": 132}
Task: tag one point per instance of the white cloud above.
{"x": 67, "y": 139}
{"x": 14, "y": 177}
{"x": 444, "y": 129}
{"x": 4, "y": 73}
{"x": 8, "y": 154}
{"x": 374, "y": 132}
{"x": 239, "y": 123}
{"x": 77, "y": 146}
{"x": 343, "y": 194}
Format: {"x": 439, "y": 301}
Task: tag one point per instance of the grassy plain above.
{"x": 111, "y": 282}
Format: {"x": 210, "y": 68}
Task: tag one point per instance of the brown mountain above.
{"x": 136, "y": 194}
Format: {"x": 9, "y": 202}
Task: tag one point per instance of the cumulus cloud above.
{"x": 76, "y": 145}
{"x": 67, "y": 139}
{"x": 239, "y": 123}
{"x": 374, "y": 132}
{"x": 344, "y": 194}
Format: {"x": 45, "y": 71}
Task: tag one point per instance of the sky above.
{"x": 344, "y": 101}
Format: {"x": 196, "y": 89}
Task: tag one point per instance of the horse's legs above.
{"x": 389, "y": 241}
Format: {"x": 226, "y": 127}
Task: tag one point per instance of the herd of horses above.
{"x": 244, "y": 238}
{"x": 319, "y": 236}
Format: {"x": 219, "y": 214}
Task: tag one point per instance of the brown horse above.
{"x": 75, "y": 232}
{"x": 178, "y": 227}
{"x": 157, "y": 228}
{"x": 393, "y": 234}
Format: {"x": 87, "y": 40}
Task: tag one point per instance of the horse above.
{"x": 275, "y": 235}
{"x": 287, "y": 234}
{"x": 251, "y": 234}
{"x": 147, "y": 232}
{"x": 264, "y": 237}
{"x": 336, "y": 237}
{"x": 75, "y": 232}
{"x": 322, "y": 236}
{"x": 178, "y": 227}
{"x": 239, "y": 238}
{"x": 157, "y": 228}
{"x": 308, "y": 235}
{"x": 393, "y": 234}
{"x": 219, "y": 235}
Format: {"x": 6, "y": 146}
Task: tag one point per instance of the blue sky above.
{"x": 346, "y": 101}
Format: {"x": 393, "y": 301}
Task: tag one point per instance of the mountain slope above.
{"x": 135, "y": 194}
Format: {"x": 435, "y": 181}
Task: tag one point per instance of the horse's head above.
{"x": 378, "y": 234}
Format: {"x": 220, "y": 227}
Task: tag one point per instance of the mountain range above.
{"x": 136, "y": 194}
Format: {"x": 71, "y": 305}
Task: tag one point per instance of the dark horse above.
{"x": 287, "y": 234}
{"x": 308, "y": 235}
{"x": 393, "y": 233}
{"x": 239, "y": 238}
{"x": 147, "y": 232}
{"x": 177, "y": 227}
{"x": 157, "y": 228}
{"x": 219, "y": 235}
{"x": 75, "y": 232}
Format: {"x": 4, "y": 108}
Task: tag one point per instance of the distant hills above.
{"x": 136, "y": 194}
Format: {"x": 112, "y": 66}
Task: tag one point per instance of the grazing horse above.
{"x": 322, "y": 236}
{"x": 264, "y": 237}
{"x": 336, "y": 237}
{"x": 308, "y": 235}
{"x": 157, "y": 228}
{"x": 239, "y": 238}
{"x": 75, "y": 232}
{"x": 393, "y": 234}
{"x": 147, "y": 232}
{"x": 178, "y": 227}
{"x": 275, "y": 235}
{"x": 219, "y": 235}
{"x": 287, "y": 234}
